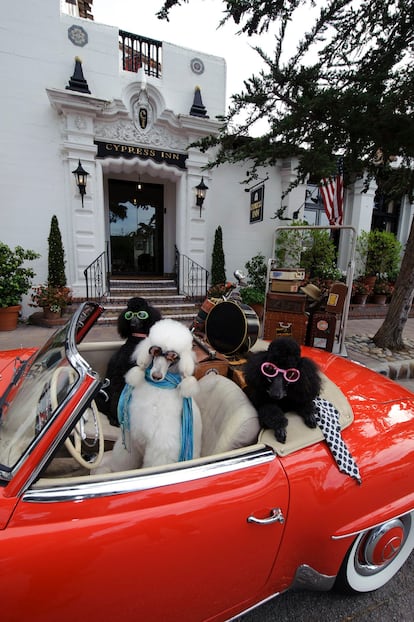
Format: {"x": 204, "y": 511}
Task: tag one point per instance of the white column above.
{"x": 295, "y": 199}
{"x": 359, "y": 205}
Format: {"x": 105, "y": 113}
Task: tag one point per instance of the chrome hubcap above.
{"x": 380, "y": 546}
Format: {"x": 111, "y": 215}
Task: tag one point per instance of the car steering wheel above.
{"x": 74, "y": 446}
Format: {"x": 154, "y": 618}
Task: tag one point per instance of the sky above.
{"x": 194, "y": 26}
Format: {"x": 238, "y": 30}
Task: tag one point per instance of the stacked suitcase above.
{"x": 285, "y": 306}
{"x": 285, "y": 317}
{"x": 322, "y": 328}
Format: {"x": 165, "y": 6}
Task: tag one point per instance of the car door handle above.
{"x": 276, "y": 516}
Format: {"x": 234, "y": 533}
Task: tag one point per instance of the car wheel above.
{"x": 376, "y": 555}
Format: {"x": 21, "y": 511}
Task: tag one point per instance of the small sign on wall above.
{"x": 256, "y": 204}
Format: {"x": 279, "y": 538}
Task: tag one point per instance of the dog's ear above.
{"x": 186, "y": 364}
{"x": 124, "y": 328}
{"x": 141, "y": 355}
{"x": 189, "y": 387}
{"x": 135, "y": 376}
{"x": 252, "y": 371}
{"x": 155, "y": 315}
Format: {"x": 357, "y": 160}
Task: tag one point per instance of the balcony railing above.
{"x": 140, "y": 52}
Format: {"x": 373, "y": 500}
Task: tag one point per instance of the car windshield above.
{"x": 44, "y": 384}
{"x": 38, "y": 389}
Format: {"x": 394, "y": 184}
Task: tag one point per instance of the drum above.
{"x": 200, "y": 320}
{"x": 232, "y": 327}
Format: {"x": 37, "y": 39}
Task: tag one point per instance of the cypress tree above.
{"x": 56, "y": 256}
{"x": 218, "y": 272}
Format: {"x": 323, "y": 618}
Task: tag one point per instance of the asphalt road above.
{"x": 395, "y": 601}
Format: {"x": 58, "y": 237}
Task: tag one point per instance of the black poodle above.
{"x": 134, "y": 324}
{"x": 280, "y": 380}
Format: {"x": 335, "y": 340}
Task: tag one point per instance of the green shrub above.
{"x": 15, "y": 279}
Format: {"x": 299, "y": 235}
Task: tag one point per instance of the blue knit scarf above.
{"x": 171, "y": 381}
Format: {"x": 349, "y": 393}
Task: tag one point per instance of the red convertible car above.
{"x": 204, "y": 539}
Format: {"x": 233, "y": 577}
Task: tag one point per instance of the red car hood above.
{"x": 7, "y": 364}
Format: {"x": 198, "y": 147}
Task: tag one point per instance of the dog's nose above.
{"x": 156, "y": 375}
{"x": 277, "y": 389}
{"x": 135, "y": 324}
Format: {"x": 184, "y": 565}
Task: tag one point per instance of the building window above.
{"x": 314, "y": 213}
{"x": 386, "y": 213}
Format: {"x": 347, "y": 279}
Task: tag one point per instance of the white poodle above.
{"x": 155, "y": 420}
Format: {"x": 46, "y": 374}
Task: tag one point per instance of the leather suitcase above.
{"x": 294, "y": 303}
{"x": 336, "y": 298}
{"x": 282, "y": 324}
{"x": 322, "y": 331}
{"x": 209, "y": 361}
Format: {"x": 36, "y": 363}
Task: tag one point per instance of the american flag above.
{"x": 332, "y": 192}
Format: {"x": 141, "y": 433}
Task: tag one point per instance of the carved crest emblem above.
{"x": 142, "y": 111}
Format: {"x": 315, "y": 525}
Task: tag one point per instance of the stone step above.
{"x": 162, "y": 299}
{"x": 165, "y": 310}
{"x": 140, "y": 284}
{"x": 187, "y": 318}
{"x": 160, "y": 293}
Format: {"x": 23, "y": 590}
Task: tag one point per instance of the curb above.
{"x": 395, "y": 370}
{"x": 401, "y": 370}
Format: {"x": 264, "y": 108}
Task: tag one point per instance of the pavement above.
{"x": 398, "y": 366}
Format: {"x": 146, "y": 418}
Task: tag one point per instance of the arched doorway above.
{"x": 136, "y": 227}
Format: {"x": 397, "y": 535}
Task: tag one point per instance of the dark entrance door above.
{"x": 136, "y": 227}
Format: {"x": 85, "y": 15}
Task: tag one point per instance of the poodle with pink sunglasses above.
{"x": 280, "y": 380}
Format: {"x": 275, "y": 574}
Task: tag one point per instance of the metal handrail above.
{"x": 97, "y": 278}
{"x": 191, "y": 279}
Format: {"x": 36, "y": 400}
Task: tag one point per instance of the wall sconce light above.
{"x": 80, "y": 176}
{"x": 201, "y": 193}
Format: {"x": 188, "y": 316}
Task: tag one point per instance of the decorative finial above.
{"x": 77, "y": 81}
{"x": 198, "y": 109}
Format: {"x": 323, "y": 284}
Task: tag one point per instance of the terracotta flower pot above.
{"x": 51, "y": 315}
{"x": 379, "y": 299}
{"x": 9, "y": 317}
{"x": 359, "y": 299}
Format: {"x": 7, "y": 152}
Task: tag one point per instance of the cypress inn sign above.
{"x": 117, "y": 150}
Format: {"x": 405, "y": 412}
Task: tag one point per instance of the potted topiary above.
{"x": 53, "y": 296}
{"x": 15, "y": 281}
{"x": 377, "y": 252}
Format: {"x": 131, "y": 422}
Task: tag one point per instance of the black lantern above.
{"x": 201, "y": 194}
{"x": 81, "y": 175}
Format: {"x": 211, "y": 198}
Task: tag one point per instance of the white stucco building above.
{"x": 127, "y": 111}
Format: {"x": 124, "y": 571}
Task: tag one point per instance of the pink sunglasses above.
{"x": 270, "y": 370}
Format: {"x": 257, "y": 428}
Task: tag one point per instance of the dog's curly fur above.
{"x": 273, "y": 397}
{"x": 134, "y": 331}
{"x": 155, "y": 413}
